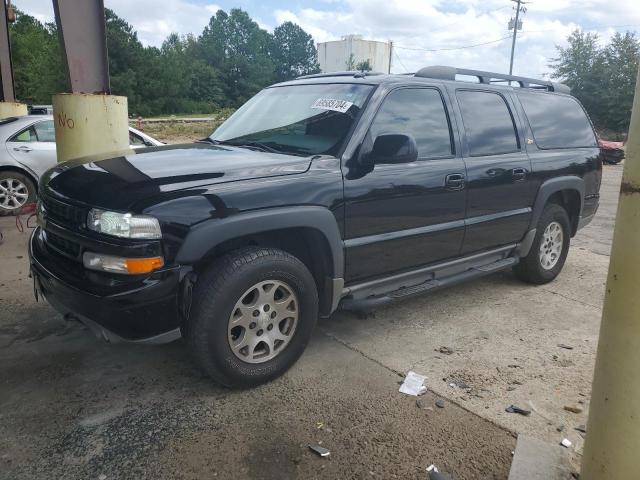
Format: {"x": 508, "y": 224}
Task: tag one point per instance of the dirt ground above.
{"x": 74, "y": 407}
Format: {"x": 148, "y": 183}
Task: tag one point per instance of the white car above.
{"x": 30, "y": 150}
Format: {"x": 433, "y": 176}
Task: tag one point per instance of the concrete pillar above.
{"x": 90, "y": 124}
{"x": 12, "y": 109}
{"x": 612, "y": 446}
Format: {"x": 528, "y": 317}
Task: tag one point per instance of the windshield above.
{"x": 297, "y": 119}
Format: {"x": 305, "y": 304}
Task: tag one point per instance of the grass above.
{"x": 176, "y": 130}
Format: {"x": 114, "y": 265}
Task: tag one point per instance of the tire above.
{"x": 21, "y": 186}
{"x": 225, "y": 289}
{"x": 532, "y": 268}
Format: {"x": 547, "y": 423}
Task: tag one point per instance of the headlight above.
{"x": 124, "y": 225}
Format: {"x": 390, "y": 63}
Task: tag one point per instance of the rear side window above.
{"x": 487, "y": 122}
{"x": 557, "y": 121}
{"x": 420, "y": 113}
{"x": 28, "y": 135}
{"x": 45, "y": 131}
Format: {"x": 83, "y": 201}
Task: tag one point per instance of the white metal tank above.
{"x": 351, "y": 50}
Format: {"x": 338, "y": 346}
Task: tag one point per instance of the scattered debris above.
{"x": 321, "y": 451}
{"x": 434, "y": 474}
{"x": 566, "y": 443}
{"x": 518, "y": 410}
{"x": 102, "y": 476}
{"x": 440, "y": 403}
{"x": 413, "y": 384}
{"x": 514, "y": 365}
{"x": 565, "y": 346}
{"x": 581, "y": 428}
{"x": 560, "y": 428}
{"x": 457, "y": 382}
{"x": 445, "y": 350}
{"x": 510, "y": 388}
{"x": 573, "y": 409}
{"x": 419, "y": 403}
{"x": 319, "y": 425}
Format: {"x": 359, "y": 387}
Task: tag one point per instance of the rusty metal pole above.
{"x": 612, "y": 445}
{"x": 8, "y": 105}
{"x": 88, "y": 121}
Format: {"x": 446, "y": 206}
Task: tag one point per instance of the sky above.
{"x": 424, "y": 32}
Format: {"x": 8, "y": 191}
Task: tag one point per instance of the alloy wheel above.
{"x": 263, "y": 321}
{"x": 551, "y": 245}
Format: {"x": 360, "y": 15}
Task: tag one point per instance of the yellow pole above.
{"x": 612, "y": 446}
{"x": 90, "y": 125}
{"x": 12, "y": 109}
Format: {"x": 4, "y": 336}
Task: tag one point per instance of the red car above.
{"x": 612, "y": 152}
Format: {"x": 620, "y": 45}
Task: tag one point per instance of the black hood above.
{"x": 118, "y": 183}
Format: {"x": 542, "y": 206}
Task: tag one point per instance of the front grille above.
{"x": 62, "y": 245}
{"x": 63, "y": 213}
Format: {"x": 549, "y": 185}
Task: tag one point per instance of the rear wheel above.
{"x": 252, "y": 316}
{"x": 16, "y": 190}
{"x": 550, "y": 247}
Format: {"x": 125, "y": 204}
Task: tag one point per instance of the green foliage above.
{"x": 601, "y": 77}
{"x": 228, "y": 63}
{"x": 350, "y": 64}
{"x": 293, "y": 52}
{"x": 364, "y": 66}
{"x": 37, "y": 62}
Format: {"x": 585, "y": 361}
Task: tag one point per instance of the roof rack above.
{"x": 349, "y": 73}
{"x": 449, "y": 73}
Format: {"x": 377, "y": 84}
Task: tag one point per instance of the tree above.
{"x": 364, "y": 66}
{"x": 37, "y": 61}
{"x": 350, "y": 64}
{"x": 293, "y": 52}
{"x": 601, "y": 77}
{"x": 228, "y": 63}
{"x": 580, "y": 66}
{"x": 621, "y": 63}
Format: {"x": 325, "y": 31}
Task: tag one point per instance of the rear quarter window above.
{"x": 557, "y": 121}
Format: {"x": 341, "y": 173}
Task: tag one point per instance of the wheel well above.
{"x": 306, "y": 244}
{"x": 570, "y": 201}
{"x": 10, "y": 168}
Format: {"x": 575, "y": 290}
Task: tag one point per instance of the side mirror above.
{"x": 393, "y": 148}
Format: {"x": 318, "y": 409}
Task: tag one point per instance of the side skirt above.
{"x": 371, "y": 294}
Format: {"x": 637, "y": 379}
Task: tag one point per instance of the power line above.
{"x": 400, "y": 61}
{"x": 452, "y": 48}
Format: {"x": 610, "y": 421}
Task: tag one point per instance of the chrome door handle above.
{"x": 22, "y": 149}
{"x": 454, "y": 181}
{"x": 519, "y": 173}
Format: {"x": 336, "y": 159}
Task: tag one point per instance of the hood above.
{"x": 117, "y": 183}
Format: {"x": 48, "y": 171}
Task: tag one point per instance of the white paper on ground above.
{"x": 413, "y": 384}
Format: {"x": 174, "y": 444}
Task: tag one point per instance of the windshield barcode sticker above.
{"x": 331, "y": 104}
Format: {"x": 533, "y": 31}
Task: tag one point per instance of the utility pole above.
{"x": 390, "y": 54}
{"x": 516, "y": 25}
{"x": 613, "y": 430}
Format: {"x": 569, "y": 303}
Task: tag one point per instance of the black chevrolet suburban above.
{"x": 343, "y": 189}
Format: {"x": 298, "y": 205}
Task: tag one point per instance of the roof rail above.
{"x": 449, "y": 73}
{"x": 349, "y": 73}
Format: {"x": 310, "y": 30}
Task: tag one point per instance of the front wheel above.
{"x": 550, "y": 247}
{"x": 252, "y": 316}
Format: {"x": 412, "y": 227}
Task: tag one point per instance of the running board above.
{"x": 362, "y": 301}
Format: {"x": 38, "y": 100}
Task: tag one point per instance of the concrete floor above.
{"x": 71, "y": 406}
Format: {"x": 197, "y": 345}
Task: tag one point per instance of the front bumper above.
{"x": 142, "y": 309}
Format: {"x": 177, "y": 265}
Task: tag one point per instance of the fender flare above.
{"x": 545, "y": 191}
{"x": 552, "y": 186}
{"x": 206, "y": 235}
